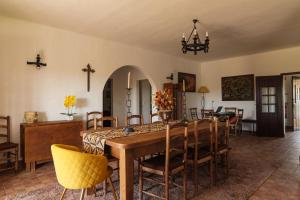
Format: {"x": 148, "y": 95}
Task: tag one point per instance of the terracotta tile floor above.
{"x": 282, "y": 183}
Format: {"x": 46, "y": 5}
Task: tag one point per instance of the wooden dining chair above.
{"x": 207, "y": 113}
{"x": 169, "y": 164}
{"x": 201, "y": 150}
{"x": 9, "y": 149}
{"x": 235, "y": 122}
{"x": 129, "y": 119}
{"x": 240, "y": 115}
{"x": 194, "y": 113}
{"x": 221, "y": 145}
{"x": 92, "y": 119}
{"x": 113, "y": 121}
{"x": 111, "y": 159}
{"x": 155, "y": 115}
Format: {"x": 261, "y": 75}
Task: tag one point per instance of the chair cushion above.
{"x": 233, "y": 120}
{"x": 158, "y": 162}
{"x": 7, "y": 146}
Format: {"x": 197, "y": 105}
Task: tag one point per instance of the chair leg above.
{"x": 227, "y": 165}
{"x": 82, "y": 194}
{"x": 104, "y": 188}
{"x": 17, "y": 159}
{"x": 140, "y": 183}
{"x": 112, "y": 188}
{"x": 167, "y": 187}
{"x": 211, "y": 172}
{"x": 216, "y": 169}
{"x": 184, "y": 183}
{"x": 195, "y": 178}
{"x": 118, "y": 171}
{"x": 63, "y": 194}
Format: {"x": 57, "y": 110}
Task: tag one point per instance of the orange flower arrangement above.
{"x": 163, "y": 100}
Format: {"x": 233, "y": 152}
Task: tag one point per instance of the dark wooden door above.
{"x": 269, "y": 106}
{"x": 108, "y": 101}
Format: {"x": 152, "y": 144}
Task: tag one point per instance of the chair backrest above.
{"x": 175, "y": 134}
{"x": 5, "y": 128}
{"x": 140, "y": 119}
{"x": 152, "y": 115}
{"x": 207, "y": 113}
{"x": 219, "y": 109}
{"x": 230, "y": 109}
{"x": 77, "y": 170}
{"x": 240, "y": 113}
{"x": 92, "y": 118}
{"x": 203, "y": 129}
{"x": 113, "y": 120}
{"x": 194, "y": 113}
{"x": 221, "y": 134}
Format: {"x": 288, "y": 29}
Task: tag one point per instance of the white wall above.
{"x": 24, "y": 88}
{"x": 268, "y": 63}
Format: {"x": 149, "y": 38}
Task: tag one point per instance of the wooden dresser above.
{"x": 37, "y": 138}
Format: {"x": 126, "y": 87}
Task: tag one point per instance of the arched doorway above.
{"x": 115, "y": 94}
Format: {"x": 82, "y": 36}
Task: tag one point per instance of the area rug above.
{"x": 250, "y": 166}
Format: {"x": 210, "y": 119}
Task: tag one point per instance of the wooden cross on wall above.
{"x": 89, "y": 70}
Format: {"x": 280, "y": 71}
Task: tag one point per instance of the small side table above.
{"x": 249, "y": 121}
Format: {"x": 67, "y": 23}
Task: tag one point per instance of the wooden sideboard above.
{"x": 37, "y": 138}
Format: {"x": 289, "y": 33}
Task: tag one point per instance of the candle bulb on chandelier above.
{"x": 128, "y": 80}
{"x": 183, "y": 36}
{"x": 206, "y": 34}
{"x": 195, "y": 32}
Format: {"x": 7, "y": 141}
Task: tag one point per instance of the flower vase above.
{"x": 165, "y": 115}
{"x": 70, "y": 117}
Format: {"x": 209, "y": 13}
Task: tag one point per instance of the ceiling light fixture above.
{"x": 197, "y": 45}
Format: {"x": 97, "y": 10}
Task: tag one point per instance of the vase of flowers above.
{"x": 69, "y": 104}
{"x": 164, "y": 103}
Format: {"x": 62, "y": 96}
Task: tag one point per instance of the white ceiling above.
{"x": 236, "y": 27}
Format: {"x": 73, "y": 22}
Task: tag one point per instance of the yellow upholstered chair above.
{"x": 77, "y": 170}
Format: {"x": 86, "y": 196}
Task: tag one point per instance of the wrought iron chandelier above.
{"x": 197, "y": 45}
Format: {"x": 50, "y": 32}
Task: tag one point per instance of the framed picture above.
{"x": 238, "y": 88}
{"x": 189, "y": 79}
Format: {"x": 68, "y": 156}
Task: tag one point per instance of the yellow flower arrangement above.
{"x": 69, "y": 104}
{"x": 70, "y": 101}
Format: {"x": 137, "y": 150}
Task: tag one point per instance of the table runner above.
{"x": 94, "y": 140}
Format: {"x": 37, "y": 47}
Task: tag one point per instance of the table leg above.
{"x": 126, "y": 174}
{"x": 32, "y": 167}
{"x": 27, "y": 164}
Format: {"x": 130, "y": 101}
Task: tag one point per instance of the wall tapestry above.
{"x": 238, "y": 88}
{"x": 189, "y": 79}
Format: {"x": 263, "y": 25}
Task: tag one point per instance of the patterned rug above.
{"x": 248, "y": 170}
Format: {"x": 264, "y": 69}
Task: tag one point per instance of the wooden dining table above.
{"x": 129, "y": 148}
